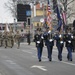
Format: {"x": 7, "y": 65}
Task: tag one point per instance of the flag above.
{"x": 59, "y": 19}
{"x": 6, "y": 27}
{"x": 64, "y": 17}
{"x": 64, "y": 20}
{"x": 48, "y": 18}
{"x": 58, "y": 13}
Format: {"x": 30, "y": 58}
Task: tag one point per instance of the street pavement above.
{"x": 23, "y": 61}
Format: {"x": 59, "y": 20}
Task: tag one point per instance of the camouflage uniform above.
{"x": 11, "y": 39}
{"x": 17, "y": 38}
{"x": 5, "y": 37}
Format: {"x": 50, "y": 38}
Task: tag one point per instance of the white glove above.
{"x": 72, "y": 37}
{"x": 60, "y": 36}
{"x": 38, "y": 42}
{"x": 69, "y": 41}
{"x": 61, "y": 42}
{"x": 51, "y": 40}
{"x": 42, "y": 37}
{"x": 49, "y": 31}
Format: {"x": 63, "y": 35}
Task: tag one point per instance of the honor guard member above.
{"x": 73, "y": 42}
{"x": 59, "y": 37}
{"x": 38, "y": 39}
{"x": 18, "y": 38}
{"x": 69, "y": 45}
{"x": 49, "y": 42}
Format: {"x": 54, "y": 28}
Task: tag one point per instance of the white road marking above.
{"x": 34, "y": 56}
{"x": 10, "y": 61}
{"x": 68, "y": 63}
{"x": 39, "y": 67}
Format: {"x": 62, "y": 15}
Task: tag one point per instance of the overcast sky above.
{"x": 5, "y": 15}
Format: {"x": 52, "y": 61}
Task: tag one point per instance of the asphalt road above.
{"x": 24, "y": 61}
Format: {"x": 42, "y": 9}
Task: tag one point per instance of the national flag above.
{"x": 64, "y": 17}
{"x": 49, "y": 19}
{"x": 59, "y": 24}
{"x": 63, "y": 20}
{"x": 59, "y": 18}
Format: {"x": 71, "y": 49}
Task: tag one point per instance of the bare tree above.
{"x": 11, "y": 7}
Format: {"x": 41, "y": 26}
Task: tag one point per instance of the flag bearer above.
{"x": 49, "y": 42}
{"x": 59, "y": 37}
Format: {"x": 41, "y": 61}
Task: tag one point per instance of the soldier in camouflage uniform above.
{"x": 5, "y": 37}
{"x": 17, "y": 38}
{"x": 11, "y": 39}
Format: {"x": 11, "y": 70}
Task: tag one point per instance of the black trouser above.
{"x": 39, "y": 52}
{"x": 60, "y": 48}
{"x": 49, "y": 49}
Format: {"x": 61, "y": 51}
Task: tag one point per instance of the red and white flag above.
{"x": 49, "y": 19}
{"x": 64, "y": 17}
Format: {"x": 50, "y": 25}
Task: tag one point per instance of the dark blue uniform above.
{"x": 69, "y": 45}
{"x": 38, "y": 38}
{"x": 49, "y": 42}
{"x": 60, "y": 44}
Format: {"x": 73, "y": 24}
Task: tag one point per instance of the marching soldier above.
{"x": 17, "y": 38}
{"x": 59, "y": 37}
{"x": 49, "y": 42}
{"x": 38, "y": 39}
{"x": 11, "y": 40}
{"x": 5, "y": 37}
{"x": 69, "y": 45}
{"x": 1, "y": 39}
{"x": 73, "y": 42}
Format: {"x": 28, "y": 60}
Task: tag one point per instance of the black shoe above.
{"x": 60, "y": 59}
{"x": 5, "y": 47}
{"x": 50, "y": 59}
{"x": 71, "y": 60}
{"x": 39, "y": 60}
{"x": 11, "y": 47}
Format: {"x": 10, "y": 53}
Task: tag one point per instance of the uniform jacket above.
{"x": 38, "y": 39}
{"x": 59, "y": 39}
{"x": 68, "y": 40}
{"x": 49, "y": 39}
